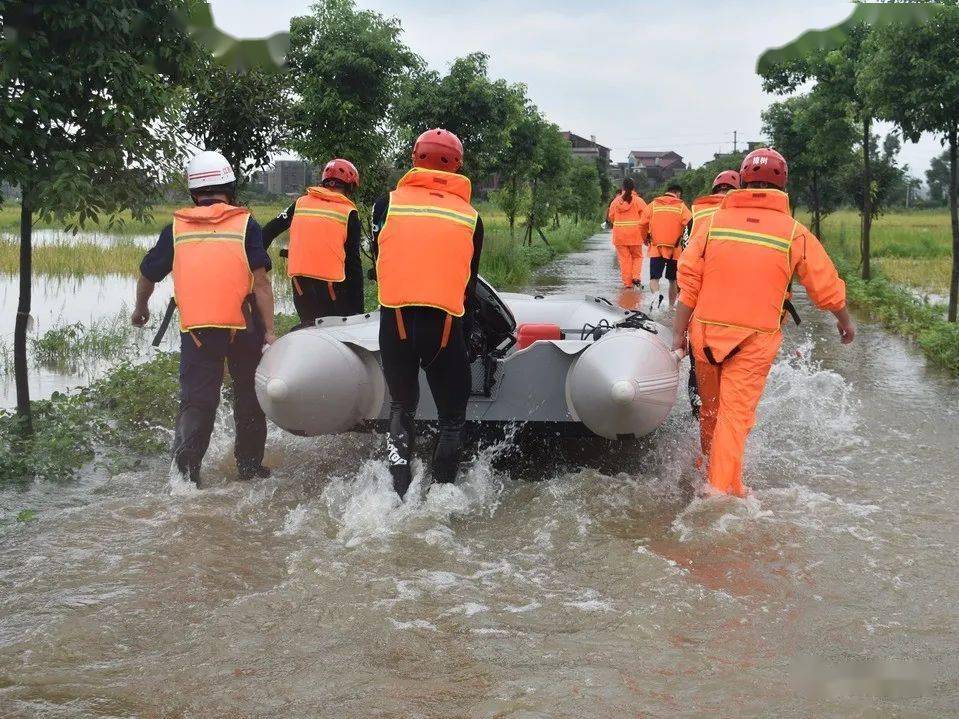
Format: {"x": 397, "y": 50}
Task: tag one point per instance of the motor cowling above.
{"x": 623, "y": 385}
{"x": 311, "y": 384}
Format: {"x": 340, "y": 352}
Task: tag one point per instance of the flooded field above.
{"x": 529, "y": 589}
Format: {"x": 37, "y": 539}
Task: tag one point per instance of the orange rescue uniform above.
{"x": 318, "y": 235}
{"x": 664, "y": 220}
{"x": 627, "y": 236}
{"x": 426, "y": 244}
{"x": 211, "y": 272}
{"x": 735, "y": 275}
{"x": 704, "y": 207}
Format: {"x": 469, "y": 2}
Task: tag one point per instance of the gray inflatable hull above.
{"x": 327, "y": 379}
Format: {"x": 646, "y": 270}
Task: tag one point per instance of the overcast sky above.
{"x": 676, "y": 75}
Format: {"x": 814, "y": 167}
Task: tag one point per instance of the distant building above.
{"x": 285, "y": 177}
{"x": 588, "y": 149}
{"x": 659, "y": 166}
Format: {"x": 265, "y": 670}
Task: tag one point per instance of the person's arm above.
{"x": 141, "y": 308}
{"x": 817, "y": 273}
{"x": 278, "y": 225}
{"x": 156, "y": 264}
{"x": 354, "y": 264}
{"x": 644, "y": 220}
{"x": 263, "y": 291}
{"x": 380, "y": 209}
{"x": 260, "y": 266}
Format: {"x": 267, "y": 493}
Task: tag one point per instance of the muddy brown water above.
{"x": 833, "y": 591}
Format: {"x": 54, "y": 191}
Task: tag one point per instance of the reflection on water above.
{"x": 592, "y": 593}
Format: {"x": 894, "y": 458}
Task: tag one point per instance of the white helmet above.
{"x": 208, "y": 168}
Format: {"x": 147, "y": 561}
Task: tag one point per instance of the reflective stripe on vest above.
{"x": 671, "y": 228}
{"x": 426, "y": 244}
{"x": 318, "y": 234}
{"x": 211, "y": 272}
{"x": 746, "y": 273}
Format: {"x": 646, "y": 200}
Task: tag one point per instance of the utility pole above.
{"x": 735, "y": 141}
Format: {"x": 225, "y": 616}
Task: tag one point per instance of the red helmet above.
{"x": 729, "y": 177}
{"x": 765, "y": 165}
{"x": 438, "y": 149}
{"x": 342, "y": 170}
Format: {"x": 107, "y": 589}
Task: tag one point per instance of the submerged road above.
{"x": 832, "y": 591}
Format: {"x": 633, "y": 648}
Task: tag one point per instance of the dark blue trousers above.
{"x": 203, "y": 355}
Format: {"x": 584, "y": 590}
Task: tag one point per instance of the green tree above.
{"x": 347, "y": 67}
{"x": 937, "y": 178}
{"x": 583, "y": 196}
{"x": 912, "y": 78}
{"x": 480, "y": 111}
{"x": 887, "y": 176}
{"x": 819, "y": 142}
{"x": 244, "y": 116}
{"x": 836, "y": 75}
{"x": 90, "y": 110}
{"x": 549, "y": 176}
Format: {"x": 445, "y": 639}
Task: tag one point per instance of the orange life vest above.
{"x": 625, "y": 217}
{"x": 211, "y": 272}
{"x": 748, "y": 261}
{"x": 426, "y": 244}
{"x": 318, "y": 235}
{"x": 704, "y": 207}
{"x": 668, "y": 219}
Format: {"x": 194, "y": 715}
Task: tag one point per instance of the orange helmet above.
{"x": 765, "y": 165}
{"x": 729, "y": 178}
{"x": 438, "y": 149}
{"x": 342, "y": 170}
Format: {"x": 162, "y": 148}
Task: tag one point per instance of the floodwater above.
{"x": 833, "y": 591}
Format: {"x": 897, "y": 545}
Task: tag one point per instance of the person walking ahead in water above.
{"x": 215, "y": 252}
{"x": 624, "y": 213}
{"x": 736, "y": 316}
{"x": 324, "y": 255}
{"x": 663, "y": 223}
{"x": 427, "y": 240}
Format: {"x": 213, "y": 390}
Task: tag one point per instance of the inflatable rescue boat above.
{"x": 572, "y": 365}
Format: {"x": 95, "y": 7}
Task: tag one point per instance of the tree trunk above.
{"x": 23, "y": 313}
{"x": 954, "y": 211}
{"x": 864, "y": 247}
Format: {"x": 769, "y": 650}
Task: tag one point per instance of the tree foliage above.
{"x": 348, "y": 67}
{"x": 245, "y": 116}
{"x": 912, "y": 78}
{"x": 818, "y": 139}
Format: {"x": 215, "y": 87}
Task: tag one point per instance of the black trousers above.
{"x": 201, "y": 376}
{"x": 317, "y": 298}
{"x": 410, "y": 339}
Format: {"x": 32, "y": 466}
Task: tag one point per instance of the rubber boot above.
{"x": 449, "y": 448}
{"x": 400, "y": 441}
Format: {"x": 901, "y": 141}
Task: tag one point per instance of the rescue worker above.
{"x": 706, "y": 206}
{"x": 215, "y": 251}
{"x": 323, "y": 258}
{"x": 663, "y": 225}
{"x": 735, "y": 276}
{"x": 624, "y": 213}
{"x": 703, "y": 208}
{"x": 427, "y": 240}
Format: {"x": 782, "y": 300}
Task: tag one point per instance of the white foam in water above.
{"x": 366, "y": 508}
{"x": 294, "y": 520}
{"x": 180, "y": 486}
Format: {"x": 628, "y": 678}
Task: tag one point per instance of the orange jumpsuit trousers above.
{"x": 630, "y": 263}
{"x": 730, "y": 393}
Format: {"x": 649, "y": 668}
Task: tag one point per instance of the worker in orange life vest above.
{"x": 323, "y": 259}
{"x": 703, "y": 208}
{"x": 225, "y": 300}
{"x": 663, "y": 224}
{"x": 427, "y": 240}
{"x": 624, "y": 213}
{"x": 734, "y": 317}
